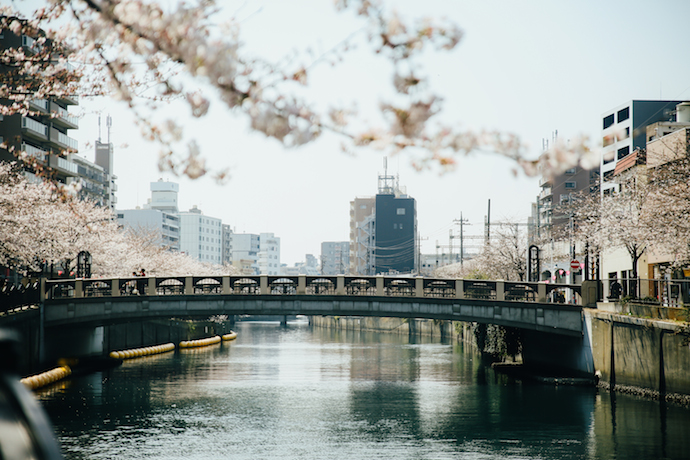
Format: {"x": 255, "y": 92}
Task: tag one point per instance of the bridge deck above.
{"x": 103, "y": 301}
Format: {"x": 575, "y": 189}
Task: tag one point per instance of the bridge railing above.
{"x": 381, "y": 286}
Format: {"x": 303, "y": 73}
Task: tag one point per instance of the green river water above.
{"x": 302, "y": 393}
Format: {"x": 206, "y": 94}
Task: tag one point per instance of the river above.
{"x": 305, "y": 393}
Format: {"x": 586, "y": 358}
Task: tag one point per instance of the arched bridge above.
{"x": 102, "y": 301}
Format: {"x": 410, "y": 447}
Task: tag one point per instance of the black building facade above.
{"x": 395, "y": 230}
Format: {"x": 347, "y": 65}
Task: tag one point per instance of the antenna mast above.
{"x": 109, "y": 124}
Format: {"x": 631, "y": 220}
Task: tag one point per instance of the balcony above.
{"x": 39, "y": 104}
{"x": 62, "y": 117}
{"x": 63, "y": 140}
{"x": 34, "y": 152}
{"x": 29, "y": 44}
{"x": 34, "y": 128}
{"x": 63, "y": 165}
{"x": 545, "y": 193}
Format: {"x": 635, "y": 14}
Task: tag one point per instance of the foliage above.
{"x": 497, "y": 341}
{"x": 503, "y": 257}
{"x": 648, "y": 213}
{"x": 669, "y": 176}
{"x": 40, "y": 223}
{"x": 625, "y": 218}
{"x": 146, "y": 55}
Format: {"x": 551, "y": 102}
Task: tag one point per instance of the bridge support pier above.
{"x": 543, "y": 352}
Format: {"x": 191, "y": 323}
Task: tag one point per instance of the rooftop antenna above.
{"x": 387, "y": 184}
{"x": 109, "y": 124}
{"x": 99, "y": 127}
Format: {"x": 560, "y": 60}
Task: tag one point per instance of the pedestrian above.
{"x": 616, "y": 290}
{"x": 141, "y": 283}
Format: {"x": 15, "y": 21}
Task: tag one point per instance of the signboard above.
{"x": 575, "y": 265}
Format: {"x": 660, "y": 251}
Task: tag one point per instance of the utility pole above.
{"x": 450, "y": 245}
{"x": 462, "y": 222}
{"x": 488, "y": 223}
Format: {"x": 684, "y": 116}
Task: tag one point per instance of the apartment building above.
{"x": 624, "y": 129}
{"x": 335, "y": 257}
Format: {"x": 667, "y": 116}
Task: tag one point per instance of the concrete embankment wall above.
{"x": 405, "y": 326}
{"x": 641, "y": 355}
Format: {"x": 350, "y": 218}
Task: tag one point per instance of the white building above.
{"x": 164, "y": 196}
{"x": 335, "y": 257}
{"x": 201, "y": 236}
{"x": 245, "y": 247}
{"x": 269, "y": 254}
{"x": 162, "y": 224}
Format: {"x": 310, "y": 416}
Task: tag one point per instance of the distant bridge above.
{"x": 101, "y": 301}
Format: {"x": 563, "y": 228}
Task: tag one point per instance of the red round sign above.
{"x": 574, "y": 264}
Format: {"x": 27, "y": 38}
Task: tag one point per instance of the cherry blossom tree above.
{"x": 503, "y": 257}
{"x": 669, "y": 174}
{"x": 39, "y": 223}
{"x": 123, "y": 47}
{"x": 624, "y": 219}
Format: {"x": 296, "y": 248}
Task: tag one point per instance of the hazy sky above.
{"x": 526, "y": 67}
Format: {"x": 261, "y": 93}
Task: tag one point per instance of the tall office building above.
{"x": 383, "y": 231}
{"x": 395, "y": 229}
{"x": 104, "y": 159}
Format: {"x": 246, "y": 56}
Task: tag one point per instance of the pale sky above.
{"x": 526, "y": 67}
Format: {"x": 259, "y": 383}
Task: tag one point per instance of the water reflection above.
{"x": 298, "y": 393}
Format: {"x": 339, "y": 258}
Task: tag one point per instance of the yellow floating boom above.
{"x": 137, "y": 352}
{"x": 46, "y": 378}
{"x": 230, "y": 336}
{"x": 200, "y": 343}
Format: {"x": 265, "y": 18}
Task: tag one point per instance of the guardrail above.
{"x": 662, "y": 292}
{"x": 380, "y": 286}
{"x": 18, "y": 295}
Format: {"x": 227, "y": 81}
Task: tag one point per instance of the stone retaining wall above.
{"x": 641, "y": 355}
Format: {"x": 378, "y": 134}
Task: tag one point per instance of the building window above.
{"x": 401, "y": 211}
{"x": 570, "y": 185}
{"x": 571, "y": 171}
{"x": 608, "y": 121}
{"x": 623, "y": 114}
{"x": 622, "y": 153}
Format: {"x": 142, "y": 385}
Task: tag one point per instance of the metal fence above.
{"x": 663, "y": 292}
